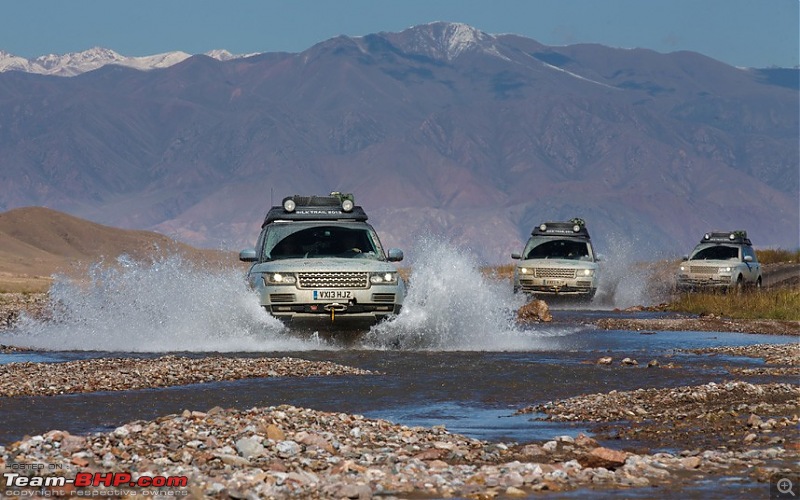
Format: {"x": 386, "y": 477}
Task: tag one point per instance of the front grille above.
{"x": 549, "y": 272}
{"x": 703, "y": 270}
{"x": 383, "y": 297}
{"x": 281, "y": 297}
{"x": 333, "y": 280}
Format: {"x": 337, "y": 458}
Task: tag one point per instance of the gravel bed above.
{"x": 772, "y": 354}
{"x": 121, "y": 374}
{"x": 732, "y": 415}
{"x": 13, "y": 304}
{"x": 707, "y": 324}
{"x": 785, "y": 355}
{"x": 290, "y": 452}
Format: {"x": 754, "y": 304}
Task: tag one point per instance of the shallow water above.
{"x": 453, "y": 357}
{"x": 471, "y": 392}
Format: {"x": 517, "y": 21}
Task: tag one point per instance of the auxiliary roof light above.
{"x": 543, "y": 227}
{"x": 732, "y": 236}
{"x": 576, "y": 228}
{"x": 346, "y": 199}
{"x": 706, "y": 236}
{"x": 289, "y": 205}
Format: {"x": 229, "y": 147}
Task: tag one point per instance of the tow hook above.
{"x": 333, "y": 307}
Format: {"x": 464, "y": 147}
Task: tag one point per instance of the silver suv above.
{"x": 558, "y": 260}
{"x": 317, "y": 258}
{"x": 722, "y": 260}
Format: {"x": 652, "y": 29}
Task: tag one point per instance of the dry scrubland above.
{"x": 780, "y": 304}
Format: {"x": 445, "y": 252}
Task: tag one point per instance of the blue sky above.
{"x": 757, "y": 33}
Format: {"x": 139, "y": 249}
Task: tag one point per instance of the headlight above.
{"x": 588, "y": 272}
{"x": 279, "y": 279}
{"x": 683, "y": 268}
{"x": 524, "y": 270}
{"x": 724, "y": 269}
{"x": 383, "y": 278}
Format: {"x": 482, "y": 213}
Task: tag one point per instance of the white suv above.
{"x": 317, "y": 258}
{"x": 722, "y": 260}
{"x": 558, "y": 260}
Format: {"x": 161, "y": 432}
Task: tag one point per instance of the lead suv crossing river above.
{"x": 317, "y": 258}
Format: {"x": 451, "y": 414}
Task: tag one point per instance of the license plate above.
{"x": 554, "y": 282}
{"x": 332, "y": 294}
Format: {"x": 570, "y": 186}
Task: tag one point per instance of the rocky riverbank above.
{"x": 705, "y": 324}
{"x": 290, "y": 452}
{"x": 732, "y": 415}
{"x": 14, "y": 304}
{"x": 122, "y": 374}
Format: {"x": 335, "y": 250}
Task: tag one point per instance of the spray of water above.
{"x": 451, "y": 306}
{"x": 165, "y": 305}
{"x": 625, "y": 280}
{"x": 171, "y": 305}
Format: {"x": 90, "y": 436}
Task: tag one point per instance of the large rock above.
{"x": 534, "y": 311}
{"x": 603, "y": 457}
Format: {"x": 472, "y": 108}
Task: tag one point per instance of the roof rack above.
{"x": 575, "y": 228}
{"x": 737, "y": 236}
{"x": 337, "y": 206}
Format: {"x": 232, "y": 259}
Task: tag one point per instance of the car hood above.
{"x": 328, "y": 264}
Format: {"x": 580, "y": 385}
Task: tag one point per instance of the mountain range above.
{"x": 75, "y": 63}
{"x": 440, "y": 130}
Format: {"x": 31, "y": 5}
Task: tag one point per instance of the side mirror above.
{"x": 248, "y": 255}
{"x": 748, "y": 258}
{"x": 516, "y": 256}
{"x": 395, "y": 255}
{"x": 685, "y": 257}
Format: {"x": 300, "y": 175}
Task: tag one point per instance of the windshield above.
{"x": 299, "y": 241}
{"x": 541, "y": 247}
{"x": 715, "y": 252}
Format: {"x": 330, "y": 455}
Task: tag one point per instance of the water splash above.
{"x": 451, "y": 306}
{"x": 625, "y": 280}
{"x": 165, "y": 305}
{"x": 171, "y": 305}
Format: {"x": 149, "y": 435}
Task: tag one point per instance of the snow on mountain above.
{"x": 75, "y": 63}
{"x": 447, "y": 41}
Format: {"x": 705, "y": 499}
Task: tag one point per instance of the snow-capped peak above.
{"x": 75, "y": 63}
{"x": 447, "y": 41}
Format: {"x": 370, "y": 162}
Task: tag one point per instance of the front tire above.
{"x": 739, "y": 285}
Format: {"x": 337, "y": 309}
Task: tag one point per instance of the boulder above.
{"x": 534, "y": 311}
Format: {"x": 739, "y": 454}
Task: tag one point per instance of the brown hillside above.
{"x": 36, "y": 242}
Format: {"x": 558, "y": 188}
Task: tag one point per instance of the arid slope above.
{"x": 36, "y": 242}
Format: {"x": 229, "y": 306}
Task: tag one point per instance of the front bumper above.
{"x": 374, "y": 303}
{"x": 690, "y": 283}
{"x": 537, "y": 286}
